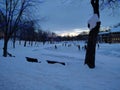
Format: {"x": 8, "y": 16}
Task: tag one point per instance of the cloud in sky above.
{"x": 71, "y": 15}
{"x": 71, "y": 32}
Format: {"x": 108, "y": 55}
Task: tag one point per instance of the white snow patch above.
{"x": 93, "y": 21}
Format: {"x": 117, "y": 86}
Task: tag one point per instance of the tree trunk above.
{"x": 5, "y": 47}
{"x": 19, "y": 42}
{"x": 91, "y": 45}
{"x": 14, "y": 39}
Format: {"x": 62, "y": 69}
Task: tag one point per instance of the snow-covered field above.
{"x": 18, "y": 74}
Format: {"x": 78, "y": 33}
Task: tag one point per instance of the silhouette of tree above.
{"x": 12, "y": 10}
{"x": 94, "y": 26}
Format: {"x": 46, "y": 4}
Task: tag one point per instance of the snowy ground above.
{"x": 18, "y": 74}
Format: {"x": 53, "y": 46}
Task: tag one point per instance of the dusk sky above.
{"x": 71, "y": 17}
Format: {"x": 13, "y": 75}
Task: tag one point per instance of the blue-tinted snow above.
{"x": 18, "y": 74}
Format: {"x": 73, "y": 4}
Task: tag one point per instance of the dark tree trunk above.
{"x": 19, "y": 42}
{"x": 5, "y": 47}
{"x": 14, "y": 39}
{"x": 91, "y": 45}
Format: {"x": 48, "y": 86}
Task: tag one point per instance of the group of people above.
{"x": 84, "y": 47}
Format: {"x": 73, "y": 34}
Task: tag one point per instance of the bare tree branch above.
{"x": 13, "y": 12}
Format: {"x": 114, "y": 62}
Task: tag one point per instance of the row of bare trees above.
{"x": 12, "y": 13}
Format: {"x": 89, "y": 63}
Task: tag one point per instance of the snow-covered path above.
{"x": 18, "y": 74}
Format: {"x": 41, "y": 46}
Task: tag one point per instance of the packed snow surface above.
{"x": 18, "y": 74}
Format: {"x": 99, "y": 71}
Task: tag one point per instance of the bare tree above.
{"x": 91, "y": 45}
{"x": 12, "y": 10}
{"x": 94, "y": 26}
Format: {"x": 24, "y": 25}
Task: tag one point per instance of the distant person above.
{"x": 78, "y": 47}
{"x": 65, "y": 44}
{"x": 82, "y": 47}
{"x": 85, "y": 47}
{"x": 69, "y": 45}
{"x": 55, "y": 47}
{"x": 98, "y": 45}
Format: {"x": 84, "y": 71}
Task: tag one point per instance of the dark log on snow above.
{"x": 53, "y": 62}
{"x": 9, "y": 54}
{"x": 29, "y": 59}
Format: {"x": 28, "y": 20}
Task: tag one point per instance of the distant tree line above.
{"x": 72, "y": 38}
{"x": 26, "y": 31}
